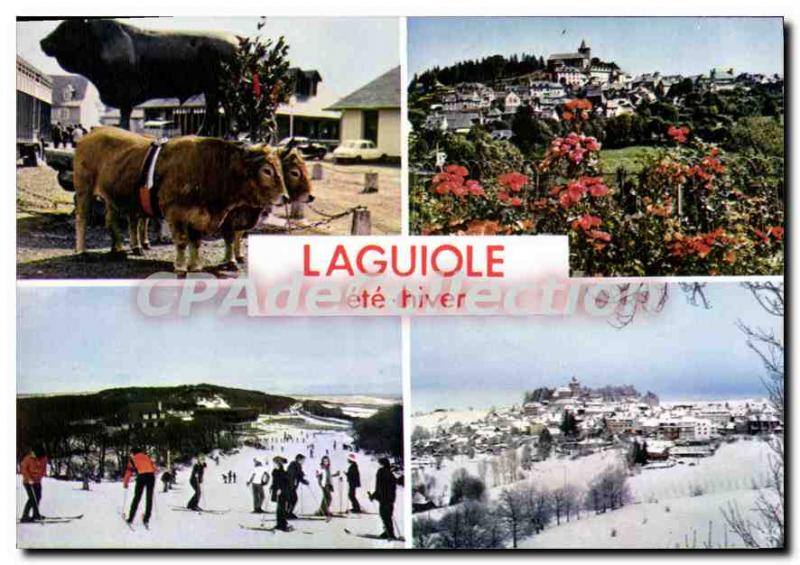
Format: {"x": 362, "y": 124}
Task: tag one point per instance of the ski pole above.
{"x": 124, "y": 501}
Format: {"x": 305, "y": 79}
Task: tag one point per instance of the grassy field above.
{"x": 628, "y": 157}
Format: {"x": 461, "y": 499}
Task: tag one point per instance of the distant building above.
{"x": 373, "y": 112}
{"x": 75, "y": 101}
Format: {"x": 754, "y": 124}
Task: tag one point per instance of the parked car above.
{"x": 307, "y": 147}
{"x": 357, "y": 150}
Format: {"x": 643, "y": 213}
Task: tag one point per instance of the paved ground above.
{"x": 46, "y": 228}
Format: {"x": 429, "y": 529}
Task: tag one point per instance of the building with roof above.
{"x": 305, "y": 115}
{"x": 373, "y": 112}
{"x": 75, "y": 101}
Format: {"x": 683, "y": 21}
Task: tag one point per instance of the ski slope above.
{"x": 103, "y": 527}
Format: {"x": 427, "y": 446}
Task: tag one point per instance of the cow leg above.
{"x": 181, "y": 239}
{"x": 83, "y": 205}
{"x": 195, "y": 264}
{"x": 230, "y": 241}
{"x": 144, "y": 232}
{"x": 125, "y": 117}
{"x": 112, "y": 224}
{"x": 134, "y": 234}
{"x": 237, "y": 247}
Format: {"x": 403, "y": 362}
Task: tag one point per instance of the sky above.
{"x": 686, "y": 352}
{"x": 73, "y": 339}
{"x": 670, "y": 45}
{"x": 347, "y": 52}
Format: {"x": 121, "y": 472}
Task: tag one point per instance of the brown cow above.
{"x": 199, "y": 181}
{"x": 241, "y": 220}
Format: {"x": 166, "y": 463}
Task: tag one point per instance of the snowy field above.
{"x": 103, "y": 525}
{"x": 663, "y": 513}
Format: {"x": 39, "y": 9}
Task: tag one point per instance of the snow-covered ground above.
{"x": 663, "y": 512}
{"x": 103, "y": 526}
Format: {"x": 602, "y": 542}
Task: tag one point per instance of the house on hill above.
{"x": 75, "y": 101}
{"x": 373, "y": 112}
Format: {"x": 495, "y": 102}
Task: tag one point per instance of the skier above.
{"x": 140, "y": 463}
{"x": 324, "y": 477}
{"x": 281, "y": 490}
{"x": 353, "y": 483}
{"x": 259, "y": 479}
{"x": 196, "y": 480}
{"x": 385, "y": 487}
{"x": 296, "y": 476}
{"x": 166, "y": 479}
{"x": 33, "y": 468}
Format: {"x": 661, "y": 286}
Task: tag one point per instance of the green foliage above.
{"x": 254, "y": 84}
{"x": 381, "y": 433}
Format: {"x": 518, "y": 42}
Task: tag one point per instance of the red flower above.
{"x": 587, "y": 222}
{"x": 678, "y": 134}
{"x": 516, "y": 201}
{"x": 776, "y": 232}
{"x": 600, "y": 235}
{"x": 256, "y": 85}
{"x": 474, "y": 188}
{"x": 456, "y": 170}
{"x": 513, "y": 181}
{"x": 503, "y": 196}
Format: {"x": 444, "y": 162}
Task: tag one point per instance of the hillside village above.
{"x": 575, "y": 421}
{"x": 612, "y": 91}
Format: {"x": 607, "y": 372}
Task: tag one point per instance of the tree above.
{"x": 569, "y": 424}
{"x": 608, "y": 490}
{"x": 382, "y": 432}
{"x": 254, "y": 84}
{"x": 464, "y": 486}
{"x": 511, "y": 510}
{"x": 768, "y": 529}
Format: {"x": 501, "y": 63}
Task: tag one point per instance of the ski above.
{"x": 373, "y": 536}
{"x": 258, "y": 528}
{"x": 75, "y": 517}
{"x": 200, "y": 511}
{"x": 46, "y": 521}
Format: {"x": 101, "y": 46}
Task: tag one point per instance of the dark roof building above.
{"x": 381, "y": 93}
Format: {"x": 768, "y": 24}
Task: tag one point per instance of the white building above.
{"x": 373, "y": 112}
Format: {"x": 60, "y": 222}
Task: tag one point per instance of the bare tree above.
{"x": 767, "y": 529}
{"x": 511, "y": 510}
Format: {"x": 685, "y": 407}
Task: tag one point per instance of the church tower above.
{"x": 586, "y": 52}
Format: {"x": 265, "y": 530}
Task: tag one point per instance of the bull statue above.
{"x": 130, "y": 65}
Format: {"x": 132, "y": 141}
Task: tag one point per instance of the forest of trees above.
{"x": 520, "y": 510}
{"x": 486, "y": 70}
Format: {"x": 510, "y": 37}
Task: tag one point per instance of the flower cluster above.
{"x": 576, "y": 109}
{"x": 574, "y": 191}
{"x": 453, "y": 181}
{"x": 700, "y": 245}
{"x": 513, "y": 183}
{"x": 772, "y": 233}
{"x": 588, "y": 224}
{"x": 575, "y": 147}
{"x": 678, "y": 134}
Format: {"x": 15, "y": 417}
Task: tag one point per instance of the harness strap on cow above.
{"x": 148, "y": 189}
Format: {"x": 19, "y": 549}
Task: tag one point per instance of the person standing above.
{"x": 196, "y": 479}
{"x": 324, "y": 477}
{"x": 258, "y": 480}
{"x": 141, "y": 464}
{"x": 296, "y": 476}
{"x": 353, "y": 483}
{"x": 33, "y": 469}
{"x": 57, "y": 134}
{"x": 280, "y": 494}
{"x": 385, "y": 494}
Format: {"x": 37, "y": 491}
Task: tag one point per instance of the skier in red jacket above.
{"x": 33, "y": 468}
{"x": 140, "y": 463}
